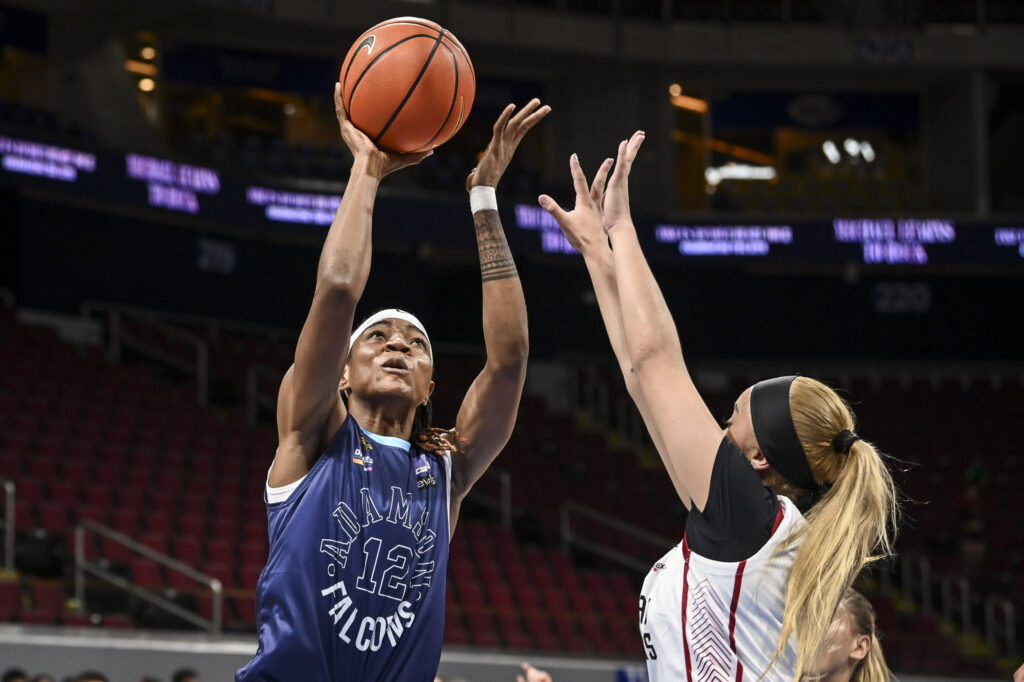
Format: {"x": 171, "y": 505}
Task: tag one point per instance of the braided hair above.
{"x": 429, "y": 438}
{"x": 432, "y": 439}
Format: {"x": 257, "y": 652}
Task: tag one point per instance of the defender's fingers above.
{"x": 579, "y": 180}
{"x": 633, "y": 145}
{"x": 559, "y": 214}
{"x": 620, "y": 161}
{"x": 600, "y": 179}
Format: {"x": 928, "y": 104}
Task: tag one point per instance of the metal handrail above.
{"x": 254, "y": 398}
{"x": 503, "y": 503}
{"x": 571, "y": 538}
{"x": 1009, "y": 630}
{"x": 923, "y": 583}
{"x": 10, "y": 521}
{"x": 951, "y": 603}
{"x": 213, "y": 324}
{"x": 213, "y": 625}
{"x": 118, "y": 337}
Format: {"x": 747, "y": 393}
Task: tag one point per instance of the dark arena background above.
{"x": 828, "y": 187}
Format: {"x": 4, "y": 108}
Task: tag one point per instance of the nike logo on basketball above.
{"x": 367, "y": 43}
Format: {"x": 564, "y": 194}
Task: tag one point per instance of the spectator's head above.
{"x": 91, "y": 676}
{"x": 14, "y": 675}
{"x": 42, "y": 677}
{"x": 185, "y": 675}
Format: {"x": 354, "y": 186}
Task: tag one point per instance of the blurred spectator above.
{"x": 14, "y": 675}
{"x": 185, "y": 675}
{"x": 43, "y": 677}
{"x": 533, "y": 675}
{"x": 91, "y": 676}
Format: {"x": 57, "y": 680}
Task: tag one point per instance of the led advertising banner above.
{"x": 187, "y": 191}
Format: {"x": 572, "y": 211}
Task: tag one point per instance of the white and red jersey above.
{"x": 708, "y": 621}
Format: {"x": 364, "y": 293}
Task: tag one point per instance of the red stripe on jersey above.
{"x": 778, "y": 518}
{"x": 732, "y": 615}
{"x": 686, "y": 589}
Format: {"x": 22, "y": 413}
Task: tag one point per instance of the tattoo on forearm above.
{"x": 495, "y": 258}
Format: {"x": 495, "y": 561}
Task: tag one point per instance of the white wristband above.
{"x": 483, "y": 198}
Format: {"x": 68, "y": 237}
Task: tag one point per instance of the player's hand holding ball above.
{"x": 408, "y": 84}
{"x": 379, "y": 163}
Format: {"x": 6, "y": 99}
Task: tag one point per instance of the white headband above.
{"x": 390, "y": 313}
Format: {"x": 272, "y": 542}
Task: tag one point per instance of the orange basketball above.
{"x": 408, "y": 84}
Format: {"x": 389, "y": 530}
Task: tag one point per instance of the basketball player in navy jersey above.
{"x": 362, "y": 496}
{"x": 786, "y": 503}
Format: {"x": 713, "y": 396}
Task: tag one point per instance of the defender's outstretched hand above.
{"x": 582, "y": 226}
{"x": 381, "y": 163}
{"x": 616, "y": 203}
{"x": 508, "y": 133}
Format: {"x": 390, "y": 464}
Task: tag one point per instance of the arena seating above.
{"x": 122, "y": 445}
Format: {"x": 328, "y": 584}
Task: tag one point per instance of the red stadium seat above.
{"x": 254, "y": 552}
{"x": 11, "y": 598}
{"x": 117, "y": 621}
{"x": 454, "y": 632}
{"x": 192, "y": 525}
{"x": 35, "y": 617}
{"x": 47, "y": 596}
{"x": 72, "y": 619}
{"x": 146, "y": 573}
{"x": 221, "y": 552}
{"x": 54, "y": 517}
{"x": 186, "y": 550}
{"x": 250, "y": 575}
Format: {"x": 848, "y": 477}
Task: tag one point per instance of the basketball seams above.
{"x": 369, "y": 66}
{"x": 412, "y": 88}
{"x": 426, "y": 79}
{"x": 408, "y": 22}
{"x": 462, "y": 51}
{"x": 455, "y": 97}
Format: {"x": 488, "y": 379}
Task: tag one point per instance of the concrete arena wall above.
{"x": 127, "y": 656}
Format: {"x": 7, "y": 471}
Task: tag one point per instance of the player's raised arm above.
{"x": 489, "y": 409}
{"x": 690, "y": 435}
{"x": 309, "y": 407}
{"x": 584, "y": 230}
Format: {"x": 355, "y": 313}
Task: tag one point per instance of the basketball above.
{"x": 408, "y": 84}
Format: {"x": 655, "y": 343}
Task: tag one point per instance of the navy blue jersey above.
{"x": 354, "y": 587}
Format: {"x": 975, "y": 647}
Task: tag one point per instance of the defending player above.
{"x": 752, "y": 574}
{"x": 852, "y": 651}
{"x": 362, "y": 495}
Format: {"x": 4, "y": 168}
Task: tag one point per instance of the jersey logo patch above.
{"x": 364, "y": 460}
{"x": 657, "y": 567}
{"x": 424, "y": 476}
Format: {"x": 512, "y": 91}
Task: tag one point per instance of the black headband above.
{"x": 775, "y": 433}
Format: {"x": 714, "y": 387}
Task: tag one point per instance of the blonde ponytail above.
{"x": 853, "y": 524}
